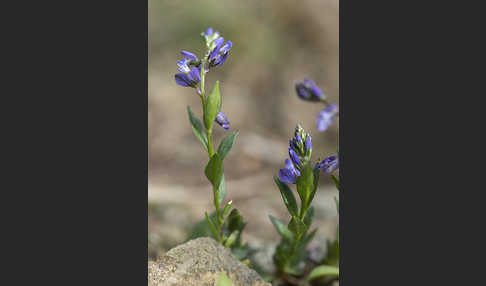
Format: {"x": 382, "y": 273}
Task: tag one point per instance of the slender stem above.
{"x": 209, "y": 132}
{"x": 210, "y": 142}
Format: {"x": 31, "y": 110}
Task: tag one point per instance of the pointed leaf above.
{"x": 231, "y": 239}
{"x": 201, "y": 229}
{"x": 282, "y": 229}
{"x": 308, "y": 238}
{"x": 197, "y": 128}
{"x": 226, "y": 145}
{"x": 214, "y": 171}
{"x": 323, "y": 270}
{"x": 213, "y": 106}
{"x": 309, "y": 216}
{"x": 221, "y": 190}
{"x": 287, "y": 196}
{"x": 211, "y": 225}
{"x": 305, "y": 186}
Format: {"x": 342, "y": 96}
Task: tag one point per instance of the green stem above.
{"x": 209, "y": 132}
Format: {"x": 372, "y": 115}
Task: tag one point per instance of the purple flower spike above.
{"x": 326, "y": 116}
{"x": 288, "y": 174}
{"x": 190, "y": 79}
{"x": 222, "y": 120}
{"x": 329, "y": 165}
{"x": 294, "y": 157}
{"x": 308, "y": 90}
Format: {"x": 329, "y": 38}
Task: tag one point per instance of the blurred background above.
{"x": 275, "y": 44}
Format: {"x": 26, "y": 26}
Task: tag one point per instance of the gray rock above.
{"x": 198, "y": 262}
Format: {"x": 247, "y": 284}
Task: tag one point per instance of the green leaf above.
{"x": 231, "y": 239}
{"x": 223, "y": 280}
{"x": 287, "y": 196}
{"x": 308, "y": 238}
{"x": 214, "y": 171}
{"x": 332, "y": 254}
{"x": 323, "y": 270}
{"x": 197, "y": 128}
{"x": 297, "y": 227}
{"x": 240, "y": 252}
{"x": 226, "y": 145}
{"x": 305, "y": 186}
{"x": 309, "y": 216}
{"x": 221, "y": 190}
{"x": 281, "y": 228}
{"x": 213, "y": 106}
{"x": 211, "y": 225}
{"x": 235, "y": 221}
{"x": 336, "y": 181}
{"x": 202, "y": 229}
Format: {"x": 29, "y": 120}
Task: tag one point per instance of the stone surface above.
{"x": 198, "y": 263}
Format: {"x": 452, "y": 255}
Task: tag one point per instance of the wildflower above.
{"x": 288, "y": 174}
{"x": 222, "y": 120}
{"x": 328, "y": 165}
{"x": 326, "y": 116}
{"x": 190, "y": 79}
{"x": 308, "y": 90}
{"x": 219, "y": 53}
{"x": 294, "y": 157}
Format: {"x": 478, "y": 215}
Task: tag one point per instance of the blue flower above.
{"x": 288, "y": 174}
{"x": 183, "y": 65}
{"x": 210, "y": 36}
{"x": 308, "y": 144}
{"x": 209, "y": 32}
{"x": 328, "y": 165}
{"x": 222, "y": 120}
{"x": 326, "y": 116}
{"x": 190, "y": 79}
{"x": 220, "y": 52}
{"x": 308, "y": 90}
{"x": 294, "y": 157}
{"x": 189, "y": 55}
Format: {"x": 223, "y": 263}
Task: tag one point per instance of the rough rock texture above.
{"x": 198, "y": 263}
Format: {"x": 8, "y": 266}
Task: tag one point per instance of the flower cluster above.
{"x": 192, "y": 69}
{"x": 300, "y": 150}
{"x": 309, "y": 91}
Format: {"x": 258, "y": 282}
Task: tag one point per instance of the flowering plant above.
{"x": 291, "y": 254}
{"x": 225, "y": 226}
